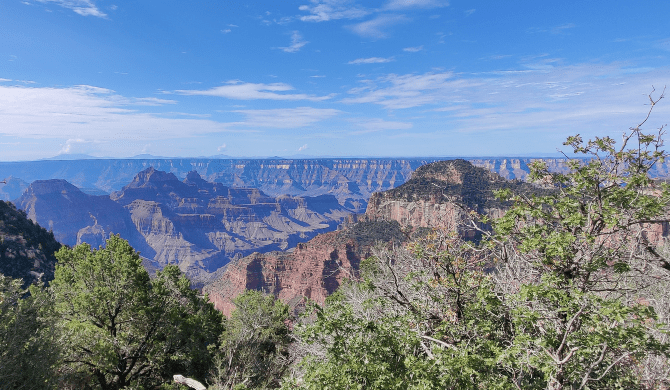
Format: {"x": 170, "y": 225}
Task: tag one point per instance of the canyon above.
{"x": 196, "y": 224}
{"x": 438, "y": 195}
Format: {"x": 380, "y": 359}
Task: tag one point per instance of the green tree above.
{"x": 120, "y": 328}
{"x": 560, "y": 295}
{"x": 576, "y": 291}
{"x": 254, "y": 346}
{"x": 29, "y": 349}
{"x": 422, "y": 317}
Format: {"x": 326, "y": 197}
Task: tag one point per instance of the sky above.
{"x": 325, "y": 78}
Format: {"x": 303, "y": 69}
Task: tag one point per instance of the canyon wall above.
{"x": 193, "y": 223}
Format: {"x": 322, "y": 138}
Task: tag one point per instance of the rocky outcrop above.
{"x": 312, "y": 270}
{"x": 442, "y": 195}
{"x": 26, "y": 249}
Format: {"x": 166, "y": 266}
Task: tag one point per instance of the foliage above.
{"x": 368, "y": 233}
{"x": 26, "y": 249}
{"x": 563, "y": 293}
{"x": 122, "y": 329}
{"x": 28, "y": 348}
{"x": 572, "y": 319}
{"x": 422, "y": 317}
{"x": 253, "y": 352}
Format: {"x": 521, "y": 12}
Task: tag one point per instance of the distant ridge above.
{"x": 71, "y": 157}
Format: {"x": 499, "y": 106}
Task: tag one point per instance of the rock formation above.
{"x": 193, "y": 223}
{"x": 312, "y": 270}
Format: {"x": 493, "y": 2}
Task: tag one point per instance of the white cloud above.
{"x": 371, "y": 60}
{"x": 249, "y": 91}
{"x": 374, "y": 125}
{"x": 303, "y": 147}
{"x": 376, "y": 28}
{"x": 562, "y": 28}
{"x": 402, "y": 4}
{"x": 297, "y": 42}
{"x": 67, "y": 148}
{"x": 470, "y": 12}
{"x": 220, "y": 148}
{"x": 226, "y": 31}
{"x": 151, "y": 101}
{"x": 582, "y": 98}
{"x": 286, "y": 118}
{"x": 82, "y": 7}
{"x": 325, "y": 10}
{"x": 413, "y": 49}
{"x": 4, "y": 80}
{"x": 402, "y": 91}
{"x": 88, "y": 112}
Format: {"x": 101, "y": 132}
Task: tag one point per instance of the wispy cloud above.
{"x": 469, "y": 12}
{"x": 563, "y": 28}
{"x": 82, "y": 7}
{"x": 403, "y": 4}
{"x": 402, "y": 91}
{"x": 557, "y": 30}
{"x": 325, "y": 10}
{"x": 581, "y": 98}
{"x": 371, "y": 60}
{"x": 376, "y": 124}
{"x": 303, "y": 147}
{"x": 286, "y": 118}
{"x": 250, "y": 91}
{"x": 88, "y": 112}
{"x": 151, "y": 101}
{"x": 413, "y": 49}
{"x": 377, "y": 27}
{"x": 220, "y": 148}
{"x": 297, "y": 42}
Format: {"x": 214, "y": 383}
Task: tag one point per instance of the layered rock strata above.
{"x": 193, "y": 223}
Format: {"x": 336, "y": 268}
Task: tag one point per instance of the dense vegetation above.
{"x": 367, "y": 233}
{"x": 26, "y": 249}
{"x": 567, "y": 291}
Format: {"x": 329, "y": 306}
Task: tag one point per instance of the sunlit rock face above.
{"x": 193, "y": 223}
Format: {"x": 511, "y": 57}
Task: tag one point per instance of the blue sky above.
{"x": 324, "y": 77}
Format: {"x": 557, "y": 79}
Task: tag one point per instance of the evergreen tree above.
{"x": 120, "y": 328}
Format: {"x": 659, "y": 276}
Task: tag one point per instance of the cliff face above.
{"x": 193, "y": 223}
{"x": 312, "y": 270}
{"x": 26, "y": 249}
{"x": 441, "y": 195}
